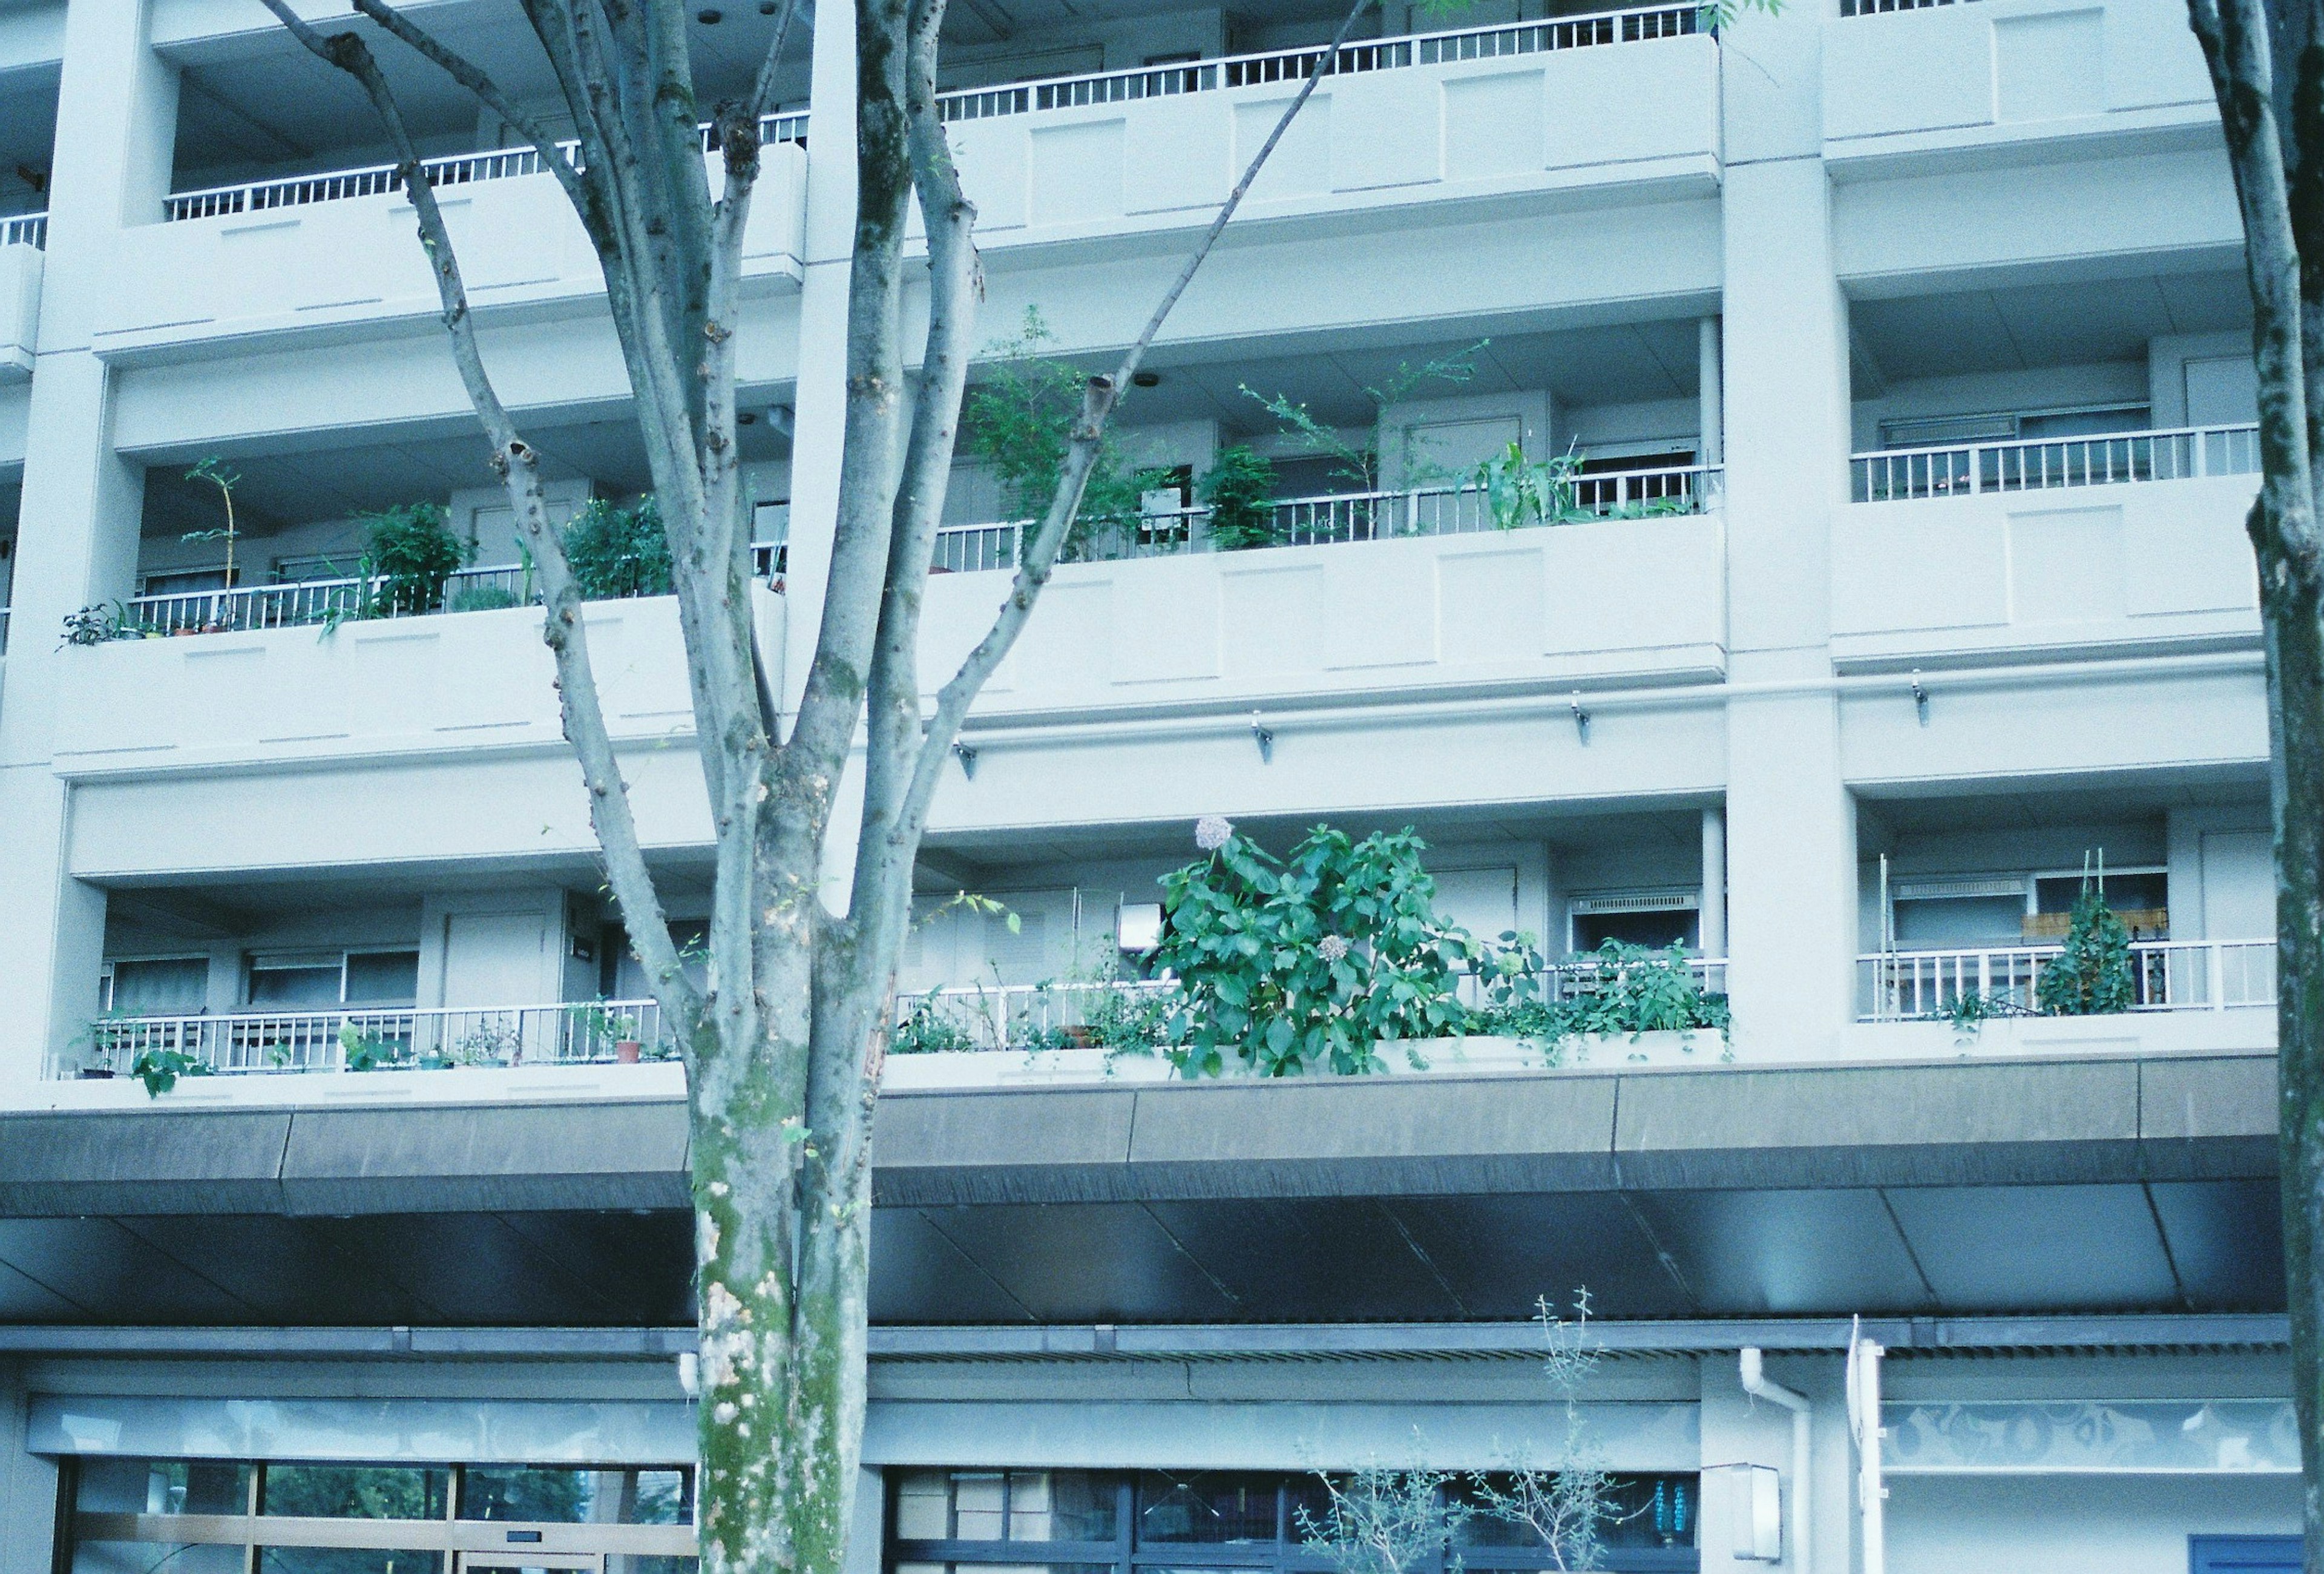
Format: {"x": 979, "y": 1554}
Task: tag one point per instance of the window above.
{"x": 1657, "y": 919}
{"x": 176, "y": 1516}
{"x": 1150, "y": 1522}
{"x": 320, "y": 980}
{"x": 1990, "y": 912}
{"x": 155, "y": 986}
{"x": 183, "y": 581}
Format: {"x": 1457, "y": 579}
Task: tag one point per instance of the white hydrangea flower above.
{"x": 1211, "y": 831}
{"x": 1331, "y": 948}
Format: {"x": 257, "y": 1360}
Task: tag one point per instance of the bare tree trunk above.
{"x": 2273, "y": 119}
{"x": 783, "y": 1041}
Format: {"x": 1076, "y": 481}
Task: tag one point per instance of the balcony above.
{"x": 2124, "y": 542}
{"x": 22, "y": 241}
{"x": 1905, "y": 76}
{"x": 328, "y": 603}
{"x": 275, "y": 1043}
{"x": 2005, "y": 981}
{"x": 1438, "y": 594}
{"x": 276, "y": 256}
{"x": 1623, "y": 98}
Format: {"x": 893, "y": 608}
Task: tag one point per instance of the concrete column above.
{"x": 1737, "y": 1431}
{"x": 1791, "y": 878}
{"x": 116, "y": 121}
{"x": 1711, "y": 448}
{"x": 1714, "y": 928}
{"x": 869, "y": 1528}
{"x": 819, "y": 410}
{"x": 28, "y": 1488}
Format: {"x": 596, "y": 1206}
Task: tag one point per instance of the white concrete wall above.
{"x": 2055, "y": 1525}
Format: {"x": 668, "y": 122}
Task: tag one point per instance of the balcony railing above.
{"x": 29, "y": 229}
{"x": 1966, "y": 470}
{"x": 358, "y": 1039}
{"x": 376, "y": 179}
{"x": 1880, "y": 7}
{"x": 2164, "y": 975}
{"x": 1295, "y": 65}
{"x": 309, "y": 602}
{"x": 1048, "y": 1016}
{"x": 1342, "y": 518}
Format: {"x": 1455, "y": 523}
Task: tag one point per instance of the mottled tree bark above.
{"x": 2267, "y": 70}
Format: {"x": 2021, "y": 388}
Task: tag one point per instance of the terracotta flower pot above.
{"x": 627, "y": 1050}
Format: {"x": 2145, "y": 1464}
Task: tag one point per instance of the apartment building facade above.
{"x": 1895, "y": 361}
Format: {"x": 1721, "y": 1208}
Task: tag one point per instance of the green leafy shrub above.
{"x": 1239, "y": 490}
{"x": 410, "y": 554}
{"x": 925, "y": 1030}
{"x": 1309, "y": 964}
{"x": 483, "y": 598}
{"x": 160, "y": 1069}
{"x": 1617, "y": 990}
{"x": 2092, "y": 976}
{"x": 618, "y": 552}
{"x": 1017, "y": 419}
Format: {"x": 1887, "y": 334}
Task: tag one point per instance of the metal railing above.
{"x": 374, "y": 1039}
{"x": 1296, "y": 65}
{"x": 1050, "y": 1016}
{"x": 1880, "y": 7}
{"x": 29, "y": 229}
{"x": 1017, "y": 1016}
{"x": 1340, "y": 518}
{"x": 379, "y": 180}
{"x": 2164, "y": 974}
{"x": 1966, "y": 470}
{"x": 308, "y": 602}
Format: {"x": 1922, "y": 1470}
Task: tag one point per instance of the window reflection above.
{"x": 356, "y": 1492}
{"x": 346, "y": 1560}
{"x": 558, "y": 1495}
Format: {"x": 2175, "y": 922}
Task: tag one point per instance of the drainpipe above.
{"x": 1864, "y": 1420}
{"x": 1757, "y": 1384}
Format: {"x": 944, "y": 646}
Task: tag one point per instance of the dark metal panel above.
{"x": 2227, "y": 1237}
{"x": 1087, "y": 1263}
{"x": 24, "y": 1300}
{"x": 640, "y": 1264}
{"x": 487, "y": 1158}
{"x": 1374, "y": 1137}
{"x": 918, "y": 1275}
{"x": 163, "y": 1161}
{"x": 472, "y": 1268}
{"x": 2046, "y": 1248}
{"x": 1310, "y": 1259}
{"x": 1973, "y": 1122}
{"x": 1502, "y": 1254}
{"x": 1787, "y": 1254}
{"x": 97, "y": 1264}
{"x": 282, "y": 1269}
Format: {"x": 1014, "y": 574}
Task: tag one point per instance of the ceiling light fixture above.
{"x": 1144, "y": 379}
{"x": 711, "y": 18}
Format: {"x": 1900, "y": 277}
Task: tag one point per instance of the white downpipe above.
{"x": 1757, "y": 1384}
{"x": 1864, "y": 1422}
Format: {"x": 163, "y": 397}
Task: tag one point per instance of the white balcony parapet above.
{"x": 1342, "y": 518}
{"x": 308, "y": 602}
{"x": 356, "y": 1038}
{"x": 1294, "y": 65}
{"x": 377, "y": 179}
{"x": 29, "y": 229}
{"x": 2006, "y": 980}
{"x": 1067, "y": 1015}
{"x": 1966, "y": 470}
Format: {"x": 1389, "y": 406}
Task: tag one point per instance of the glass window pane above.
{"x": 641, "y": 1563}
{"x": 356, "y": 1490}
{"x": 1213, "y": 1507}
{"x": 161, "y": 988}
{"x": 976, "y": 1498}
{"x": 556, "y": 1495}
{"x": 310, "y": 983}
{"x": 1060, "y": 1506}
{"x": 154, "y": 1558}
{"x": 346, "y": 1560}
{"x": 1652, "y": 1511}
{"x": 924, "y": 1506}
{"x": 383, "y": 978}
{"x": 109, "y": 1485}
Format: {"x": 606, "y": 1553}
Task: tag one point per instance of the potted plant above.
{"x": 629, "y": 1052}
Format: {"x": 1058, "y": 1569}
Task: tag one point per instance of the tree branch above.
{"x": 563, "y": 629}
{"x": 1037, "y": 557}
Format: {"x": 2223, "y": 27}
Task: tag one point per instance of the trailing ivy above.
{"x": 2092, "y": 976}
